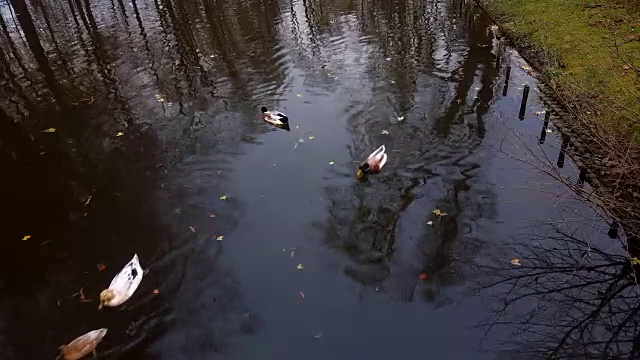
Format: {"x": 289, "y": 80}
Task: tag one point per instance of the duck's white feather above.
{"x": 274, "y": 117}
{"x": 378, "y": 156}
{"x": 126, "y": 282}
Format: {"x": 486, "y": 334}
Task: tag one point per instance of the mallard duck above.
{"x": 82, "y": 345}
{"x": 373, "y": 163}
{"x": 123, "y": 285}
{"x": 274, "y": 117}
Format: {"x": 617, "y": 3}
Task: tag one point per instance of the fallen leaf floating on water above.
{"x": 49, "y": 130}
{"x": 331, "y": 163}
{"x": 318, "y": 336}
{"x": 192, "y": 229}
{"x": 438, "y": 212}
{"x": 26, "y": 237}
{"x": 311, "y": 137}
{"x": 212, "y": 215}
{"x": 224, "y": 197}
{"x": 220, "y": 238}
{"x": 400, "y": 118}
{"x": 101, "y": 267}
{"x": 423, "y": 277}
{"x": 634, "y": 261}
{"x": 299, "y": 95}
{"x": 120, "y": 133}
{"x": 515, "y": 261}
{"x": 156, "y": 291}
{"x": 300, "y": 267}
{"x": 429, "y": 223}
{"x": 82, "y": 297}
{"x": 301, "y": 294}
{"x": 384, "y": 132}
{"x": 538, "y": 113}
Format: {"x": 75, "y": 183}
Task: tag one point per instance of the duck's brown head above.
{"x": 106, "y": 296}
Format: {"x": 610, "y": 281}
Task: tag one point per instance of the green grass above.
{"x": 588, "y": 49}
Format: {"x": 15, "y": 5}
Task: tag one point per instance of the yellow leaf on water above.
{"x": 429, "y": 223}
{"x": 634, "y": 261}
{"x": 26, "y": 237}
{"x": 49, "y": 130}
{"x": 515, "y": 261}
{"x": 311, "y": 137}
{"x": 299, "y": 95}
{"x": 331, "y": 163}
{"x": 220, "y": 238}
{"x": 120, "y": 133}
{"x": 300, "y": 267}
{"x": 224, "y": 197}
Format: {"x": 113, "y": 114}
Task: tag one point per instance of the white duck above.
{"x": 82, "y": 345}
{"x": 123, "y": 285}
{"x": 373, "y": 163}
{"x": 274, "y": 117}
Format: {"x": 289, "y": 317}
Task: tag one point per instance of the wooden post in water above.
{"x": 563, "y": 150}
{"x": 523, "y": 104}
{"x": 545, "y": 125}
{"x": 582, "y": 176}
{"x": 507, "y": 75}
{"x": 613, "y": 230}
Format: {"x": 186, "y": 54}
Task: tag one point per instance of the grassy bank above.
{"x": 588, "y": 52}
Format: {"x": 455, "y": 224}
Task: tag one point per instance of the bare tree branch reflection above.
{"x": 573, "y": 296}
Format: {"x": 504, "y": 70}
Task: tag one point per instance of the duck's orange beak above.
{"x": 359, "y": 174}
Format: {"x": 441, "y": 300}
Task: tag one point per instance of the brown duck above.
{"x": 82, "y": 345}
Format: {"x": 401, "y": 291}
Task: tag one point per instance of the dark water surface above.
{"x": 159, "y": 149}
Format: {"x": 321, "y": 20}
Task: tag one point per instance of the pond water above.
{"x": 260, "y": 242}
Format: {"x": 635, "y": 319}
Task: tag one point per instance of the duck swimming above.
{"x": 82, "y": 345}
{"x": 373, "y": 163}
{"x": 123, "y": 285}
{"x": 274, "y": 117}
